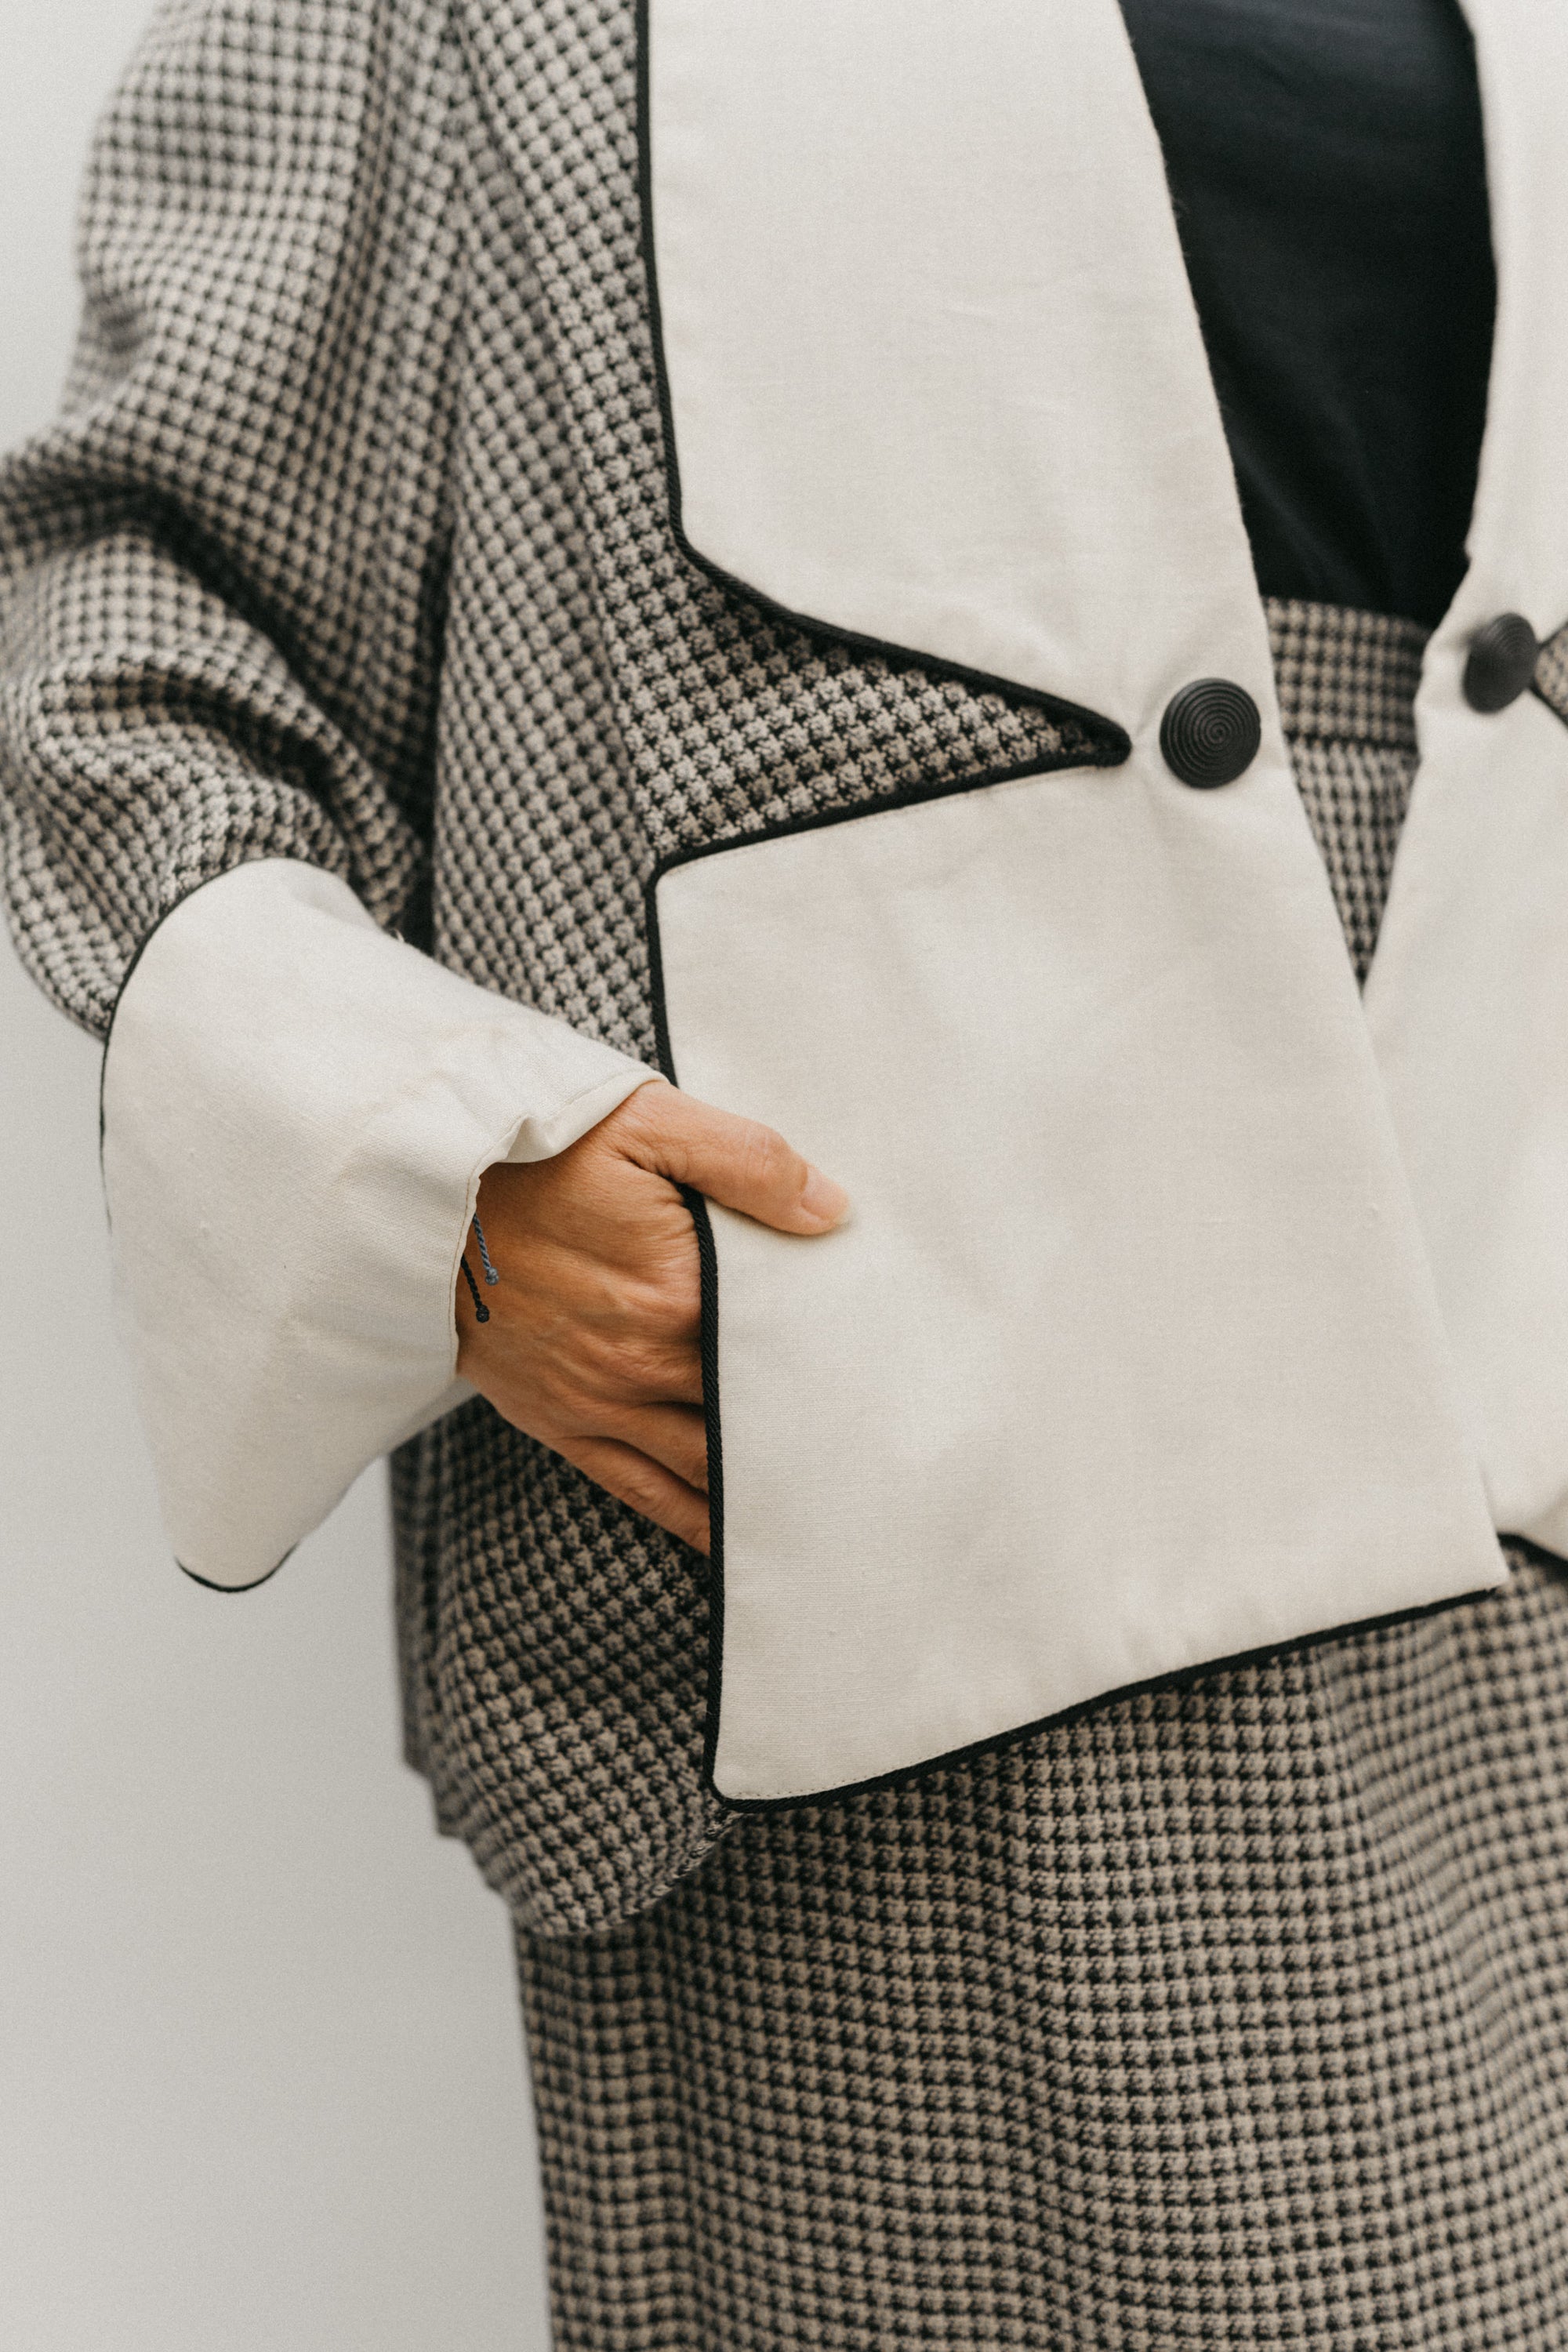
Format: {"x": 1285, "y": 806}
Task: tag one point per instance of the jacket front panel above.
{"x": 840, "y": 448}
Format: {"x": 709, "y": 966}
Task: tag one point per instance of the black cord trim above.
{"x": 708, "y": 1260}
{"x": 1114, "y": 743}
{"x": 1182, "y": 1675}
{"x": 1051, "y": 764}
{"x": 254, "y": 1586}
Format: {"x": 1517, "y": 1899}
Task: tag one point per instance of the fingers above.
{"x": 736, "y": 1162}
{"x": 590, "y": 1343}
{"x": 672, "y": 1434}
{"x": 646, "y": 1486}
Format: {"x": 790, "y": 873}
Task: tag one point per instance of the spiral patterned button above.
{"x": 1501, "y": 663}
{"x": 1210, "y": 732}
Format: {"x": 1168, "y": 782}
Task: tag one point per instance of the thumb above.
{"x": 737, "y": 1162}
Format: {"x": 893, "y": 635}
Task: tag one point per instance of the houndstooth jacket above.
{"x": 583, "y": 543}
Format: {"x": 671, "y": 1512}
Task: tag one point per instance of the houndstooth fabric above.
{"x": 1231, "y": 2015}
{"x": 1236, "y": 2015}
{"x": 1347, "y": 685}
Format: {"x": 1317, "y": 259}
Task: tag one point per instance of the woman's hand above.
{"x": 592, "y": 1344}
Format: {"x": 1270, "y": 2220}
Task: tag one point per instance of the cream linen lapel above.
{"x": 1130, "y": 1357}
{"x": 1467, "y": 998}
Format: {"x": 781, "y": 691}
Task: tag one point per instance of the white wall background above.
{"x": 261, "y": 2087}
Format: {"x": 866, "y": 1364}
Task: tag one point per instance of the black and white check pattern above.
{"x": 1233, "y": 2016}
{"x": 1347, "y": 688}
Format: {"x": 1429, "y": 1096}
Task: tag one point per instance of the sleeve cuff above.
{"x": 297, "y": 1112}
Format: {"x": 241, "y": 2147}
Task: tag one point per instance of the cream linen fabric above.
{"x": 297, "y": 1111}
{"x": 1188, "y": 1298}
{"x": 894, "y": 243}
{"x": 1467, "y": 997}
{"x": 1129, "y": 1358}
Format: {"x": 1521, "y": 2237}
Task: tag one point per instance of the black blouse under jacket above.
{"x": 1327, "y": 164}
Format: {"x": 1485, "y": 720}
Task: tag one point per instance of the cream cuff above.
{"x": 297, "y": 1112}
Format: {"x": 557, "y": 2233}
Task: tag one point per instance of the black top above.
{"x": 1326, "y": 161}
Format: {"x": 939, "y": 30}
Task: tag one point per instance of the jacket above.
{"x": 715, "y": 526}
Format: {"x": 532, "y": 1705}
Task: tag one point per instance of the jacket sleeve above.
{"x": 220, "y": 605}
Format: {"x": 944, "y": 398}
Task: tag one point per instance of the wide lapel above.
{"x": 1467, "y": 998}
{"x": 934, "y": 370}
{"x": 1130, "y": 1357}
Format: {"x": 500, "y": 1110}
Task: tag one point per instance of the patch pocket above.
{"x": 1125, "y": 1359}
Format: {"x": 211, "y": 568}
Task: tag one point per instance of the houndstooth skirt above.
{"x": 1230, "y": 2014}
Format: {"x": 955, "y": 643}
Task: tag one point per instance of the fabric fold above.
{"x": 297, "y": 1111}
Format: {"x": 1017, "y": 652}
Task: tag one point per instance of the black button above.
{"x": 1210, "y": 732}
{"x": 1502, "y": 661}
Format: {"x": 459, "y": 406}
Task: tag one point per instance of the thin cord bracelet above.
{"x": 481, "y": 1312}
{"x": 491, "y": 1277}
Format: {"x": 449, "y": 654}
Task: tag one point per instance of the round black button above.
{"x": 1210, "y": 732}
{"x": 1502, "y": 661}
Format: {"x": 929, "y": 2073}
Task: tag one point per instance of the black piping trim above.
{"x": 708, "y": 1266}
{"x": 708, "y": 1260}
{"x": 254, "y": 1586}
{"x": 1001, "y": 1741}
{"x": 947, "y": 788}
{"x": 1115, "y": 744}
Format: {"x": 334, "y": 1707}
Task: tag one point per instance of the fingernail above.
{"x": 823, "y": 1199}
